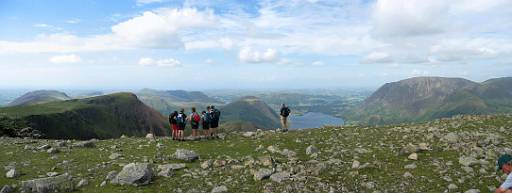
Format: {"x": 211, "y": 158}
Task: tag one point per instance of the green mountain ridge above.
{"x": 249, "y": 113}
{"x": 107, "y": 116}
{"x": 39, "y": 97}
{"x": 167, "y": 101}
{"x": 427, "y": 98}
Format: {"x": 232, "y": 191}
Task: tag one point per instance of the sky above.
{"x": 249, "y": 44}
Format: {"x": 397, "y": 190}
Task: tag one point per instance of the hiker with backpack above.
{"x": 194, "y": 122}
{"x": 285, "y": 112}
{"x": 205, "y": 121}
{"x": 215, "y": 118}
{"x": 174, "y": 124}
{"x": 181, "y": 120}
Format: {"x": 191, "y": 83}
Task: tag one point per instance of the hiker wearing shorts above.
{"x": 194, "y": 119}
{"x": 174, "y": 125}
{"x": 285, "y": 112}
{"x": 214, "y": 123}
{"x": 181, "y": 118}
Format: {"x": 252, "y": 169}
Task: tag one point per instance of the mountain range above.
{"x": 172, "y": 100}
{"x": 248, "y": 113}
{"x": 39, "y": 97}
{"x": 427, "y": 98}
{"x": 106, "y": 116}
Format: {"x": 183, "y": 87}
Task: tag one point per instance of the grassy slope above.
{"x": 386, "y": 170}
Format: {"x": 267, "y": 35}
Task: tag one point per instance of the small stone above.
{"x": 249, "y": 134}
{"x": 472, "y": 191}
{"x": 52, "y": 174}
{"x": 280, "y": 176}
{"x": 423, "y": 147}
{"x": 219, "y": 189}
{"x": 311, "y": 150}
{"x": 410, "y": 166}
{"x": 12, "y": 173}
{"x": 7, "y": 189}
{"x": 186, "y": 155}
{"x": 83, "y": 182}
{"x": 150, "y": 136}
{"x": 219, "y": 163}
{"x": 262, "y": 173}
{"x": 207, "y": 164}
{"x": 355, "y": 164}
{"x": 407, "y": 175}
{"x": 134, "y": 174}
{"x": 104, "y": 183}
{"x": 452, "y": 187}
{"x": 111, "y": 175}
{"x": 114, "y": 156}
{"x": 413, "y": 156}
{"x": 266, "y": 160}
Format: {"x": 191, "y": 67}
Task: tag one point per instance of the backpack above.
{"x": 286, "y": 112}
{"x": 216, "y": 115}
{"x": 196, "y": 118}
{"x": 180, "y": 119}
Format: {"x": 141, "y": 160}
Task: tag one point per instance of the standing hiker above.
{"x": 174, "y": 125}
{"x": 215, "y": 118}
{"x": 285, "y": 112}
{"x": 194, "y": 121}
{"x": 205, "y": 121}
{"x": 181, "y": 118}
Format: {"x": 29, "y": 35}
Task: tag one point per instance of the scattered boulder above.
{"x": 452, "y": 187}
{"x": 355, "y": 164}
{"x": 410, "y": 166}
{"x": 86, "y": 144}
{"x": 150, "y": 136}
{"x": 114, "y": 156}
{"x": 52, "y": 150}
{"x": 451, "y": 138}
{"x": 280, "y": 176}
{"x": 266, "y": 160}
{"x": 52, "y": 174}
{"x": 185, "y": 155}
{"x": 134, "y": 174}
{"x": 111, "y": 175}
{"x": 219, "y": 189}
{"x": 12, "y": 173}
{"x": 7, "y": 189}
{"x": 61, "y": 183}
{"x": 311, "y": 150}
{"x": 165, "y": 171}
{"x": 413, "y": 156}
{"x": 467, "y": 161}
{"x": 423, "y": 147}
{"x": 262, "y": 173}
{"x": 83, "y": 182}
{"x": 207, "y": 164}
{"x": 408, "y": 149}
{"x": 249, "y": 134}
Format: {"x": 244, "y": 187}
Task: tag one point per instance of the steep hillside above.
{"x": 249, "y": 113}
{"x": 39, "y": 97}
{"x": 426, "y": 98}
{"x": 168, "y": 101}
{"x": 107, "y": 116}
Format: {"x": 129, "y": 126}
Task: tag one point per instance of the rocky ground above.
{"x": 449, "y": 155}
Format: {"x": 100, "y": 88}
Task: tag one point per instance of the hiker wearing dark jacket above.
{"x": 214, "y": 123}
{"x": 174, "y": 124}
{"x": 205, "y": 121}
{"x": 194, "y": 119}
{"x": 181, "y": 118}
{"x": 285, "y": 112}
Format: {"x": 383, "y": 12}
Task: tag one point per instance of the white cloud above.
{"x": 249, "y": 55}
{"x": 317, "y": 63}
{"x": 169, "y": 62}
{"x": 73, "y": 21}
{"x": 377, "y": 57}
{"x": 142, "y": 2}
{"x": 60, "y": 59}
{"x": 209, "y": 61}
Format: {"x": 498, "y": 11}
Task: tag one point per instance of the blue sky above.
{"x": 195, "y": 44}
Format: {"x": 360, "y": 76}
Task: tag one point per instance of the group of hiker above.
{"x": 208, "y": 119}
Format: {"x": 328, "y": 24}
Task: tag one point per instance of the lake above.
{"x": 313, "y": 120}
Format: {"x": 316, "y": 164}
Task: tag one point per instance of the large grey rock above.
{"x": 185, "y": 155}
{"x": 262, "y": 173}
{"x": 219, "y": 189}
{"x": 60, "y": 183}
{"x": 134, "y": 174}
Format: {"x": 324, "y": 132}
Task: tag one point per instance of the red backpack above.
{"x": 196, "y": 118}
